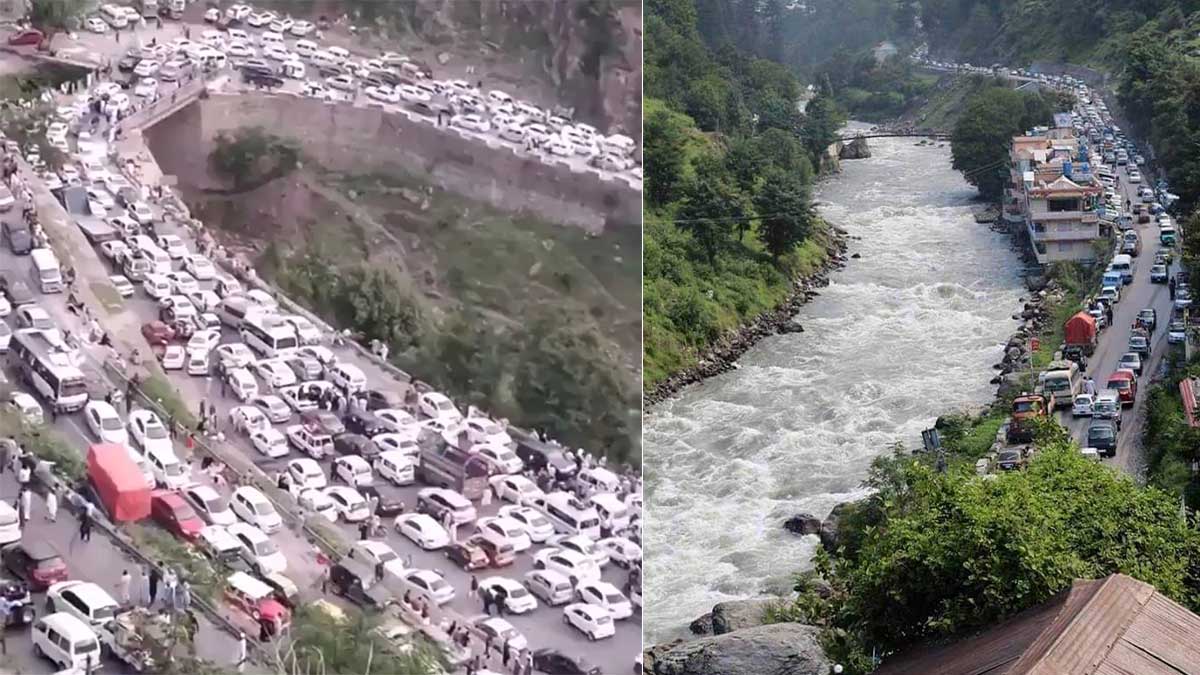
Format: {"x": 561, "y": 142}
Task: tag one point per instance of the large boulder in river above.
{"x": 775, "y": 649}
{"x": 832, "y": 525}
{"x": 738, "y": 614}
{"x": 703, "y": 625}
{"x": 855, "y": 149}
{"x": 803, "y": 524}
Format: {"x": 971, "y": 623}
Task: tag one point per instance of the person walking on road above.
{"x": 1108, "y": 314}
{"x": 23, "y": 474}
{"x": 146, "y": 596}
{"x": 241, "y": 662}
{"x": 1171, "y": 288}
{"x": 155, "y": 578}
{"x": 52, "y": 506}
{"x": 7, "y": 451}
{"x": 124, "y": 586}
{"x": 85, "y": 524}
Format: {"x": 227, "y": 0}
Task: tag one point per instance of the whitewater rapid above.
{"x": 901, "y": 335}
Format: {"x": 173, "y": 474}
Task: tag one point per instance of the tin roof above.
{"x": 1187, "y": 391}
{"x": 1112, "y": 626}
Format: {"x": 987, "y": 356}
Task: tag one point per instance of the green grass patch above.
{"x": 108, "y": 297}
{"x": 158, "y": 390}
{"x": 46, "y": 444}
{"x": 164, "y": 549}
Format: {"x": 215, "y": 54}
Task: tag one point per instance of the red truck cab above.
{"x": 1124, "y": 382}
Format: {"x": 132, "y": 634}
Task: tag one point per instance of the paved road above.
{"x": 99, "y": 561}
{"x": 543, "y": 627}
{"x": 1114, "y": 343}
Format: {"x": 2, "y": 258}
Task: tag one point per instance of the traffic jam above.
{"x": 494, "y": 535}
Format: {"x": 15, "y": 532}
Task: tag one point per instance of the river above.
{"x": 901, "y": 335}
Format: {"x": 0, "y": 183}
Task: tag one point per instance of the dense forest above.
{"x": 729, "y": 160}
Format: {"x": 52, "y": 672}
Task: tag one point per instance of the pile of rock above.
{"x": 735, "y": 641}
{"x": 723, "y": 356}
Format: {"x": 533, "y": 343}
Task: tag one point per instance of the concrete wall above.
{"x": 346, "y": 138}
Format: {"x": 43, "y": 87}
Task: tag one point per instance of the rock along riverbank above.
{"x": 722, "y": 356}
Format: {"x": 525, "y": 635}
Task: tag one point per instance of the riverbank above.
{"x": 722, "y": 355}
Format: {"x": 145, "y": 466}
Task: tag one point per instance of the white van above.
{"x": 243, "y": 384}
{"x": 160, "y": 262}
{"x": 10, "y": 524}
{"x": 1112, "y": 278}
{"x": 271, "y": 339}
{"x": 306, "y": 48}
{"x": 1124, "y": 264}
{"x": 349, "y": 377}
{"x": 323, "y": 59}
{"x": 269, "y": 38}
{"x": 168, "y": 470}
{"x": 601, "y": 479}
{"x": 235, "y": 310}
{"x": 114, "y": 15}
{"x": 339, "y": 54}
{"x": 67, "y": 641}
{"x": 47, "y": 275}
{"x": 614, "y": 515}
{"x": 396, "y": 467}
{"x": 571, "y": 516}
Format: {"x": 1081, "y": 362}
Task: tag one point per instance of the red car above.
{"x": 175, "y": 515}
{"x": 498, "y": 556}
{"x": 36, "y": 562}
{"x": 467, "y": 555}
{"x": 29, "y": 36}
{"x": 157, "y": 333}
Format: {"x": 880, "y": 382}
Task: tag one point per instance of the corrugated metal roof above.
{"x": 1112, "y": 626}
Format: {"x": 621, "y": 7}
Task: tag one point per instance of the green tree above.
{"x": 981, "y": 138}
{"x": 946, "y": 553}
{"x": 665, "y": 134}
{"x": 784, "y": 211}
{"x": 711, "y": 209}
{"x": 822, "y": 119}
{"x": 57, "y": 16}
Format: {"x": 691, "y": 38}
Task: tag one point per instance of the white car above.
{"x": 429, "y": 585}
{"x": 422, "y": 530}
{"x": 485, "y": 430}
{"x": 341, "y": 83}
{"x": 306, "y": 474}
{"x": 200, "y": 267}
{"x": 120, "y": 284}
{"x": 318, "y": 352}
{"x": 260, "y": 19}
{"x": 305, "y": 330}
{"x": 350, "y": 504}
{"x": 516, "y": 489}
{"x": 552, "y": 587}
{"x": 315, "y": 500}
{"x": 147, "y": 87}
{"x": 497, "y": 631}
{"x": 146, "y": 68}
{"x": 28, "y": 406}
{"x": 173, "y": 358}
{"x": 149, "y": 432}
{"x": 471, "y": 121}
{"x": 180, "y": 305}
{"x": 258, "y": 550}
{"x": 273, "y": 407}
{"x": 512, "y": 132}
{"x": 235, "y": 355}
{"x": 439, "y": 407}
{"x": 277, "y": 53}
{"x": 115, "y": 249}
{"x": 353, "y": 471}
{"x": 578, "y": 543}
{"x": 240, "y": 50}
{"x": 157, "y": 286}
{"x": 105, "y": 423}
{"x": 502, "y": 531}
{"x": 403, "y": 443}
{"x": 413, "y": 94}
{"x": 204, "y": 340}
{"x": 605, "y": 596}
{"x": 594, "y": 622}
{"x": 571, "y": 564}
{"x": 6, "y": 306}
{"x": 182, "y": 283}
{"x": 270, "y": 442}
{"x": 1081, "y": 406}
{"x": 383, "y": 94}
{"x": 302, "y": 28}
{"x": 537, "y": 527}
{"x": 140, "y": 212}
{"x": 395, "y": 420}
{"x": 253, "y": 507}
{"x": 209, "y": 505}
{"x": 294, "y": 397}
{"x": 620, "y": 550}
{"x": 282, "y": 25}
{"x": 205, "y": 301}
{"x": 248, "y": 419}
{"x": 499, "y": 459}
{"x": 96, "y": 25}
{"x": 173, "y": 245}
{"x": 275, "y": 372}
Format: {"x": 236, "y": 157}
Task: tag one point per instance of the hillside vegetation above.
{"x": 729, "y": 163}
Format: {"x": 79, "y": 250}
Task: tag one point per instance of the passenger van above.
{"x": 395, "y": 466}
{"x": 323, "y": 59}
{"x": 236, "y": 310}
{"x": 1124, "y": 264}
{"x": 571, "y": 516}
{"x": 601, "y": 479}
{"x": 168, "y": 470}
{"x": 1112, "y": 278}
{"x": 160, "y": 262}
{"x": 271, "y": 38}
{"x": 272, "y": 339}
{"x": 10, "y": 524}
{"x": 348, "y": 376}
{"x": 67, "y": 641}
{"x": 114, "y": 15}
{"x": 614, "y": 515}
{"x": 306, "y": 48}
{"x": 136, "y": 266}
{"x": 47, "y": 275}
{"x": 1131, "y": 243}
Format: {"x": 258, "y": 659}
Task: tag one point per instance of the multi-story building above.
{"x": 1053, "y": 195}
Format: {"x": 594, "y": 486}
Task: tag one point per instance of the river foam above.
{"x": 901, "y": 335}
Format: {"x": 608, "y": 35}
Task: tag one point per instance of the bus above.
{"x": 443, "y": 465}
{"x": 270, "y": 338}
{"x": 49, "y": 370}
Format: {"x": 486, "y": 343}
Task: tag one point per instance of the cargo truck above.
{"x": 118, "y": 482}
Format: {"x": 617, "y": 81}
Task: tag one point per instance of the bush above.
{"x": 250, "y": 156}
{"x": 46, "y": 444}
